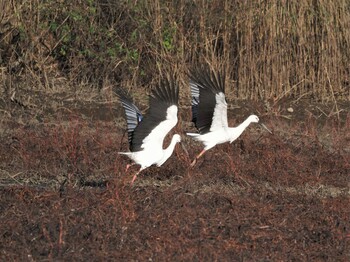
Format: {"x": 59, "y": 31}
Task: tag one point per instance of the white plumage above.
{"x": 224, "y": 134}
{"x": 146, "y": 134}
{"x": 209, "y": 111}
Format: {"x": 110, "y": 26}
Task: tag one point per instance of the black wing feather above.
{"x": 161, "y": 98}
{"x": 195, "y": 100}
{"x": 132, "y": 113}
{"x": 205, "y": 84}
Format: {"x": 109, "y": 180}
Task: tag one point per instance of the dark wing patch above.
{"x": 194, "y": 100}
{"x": 161, "y": 98}
{"x": 205, "y": 84}
{"x": 132, "y": 113}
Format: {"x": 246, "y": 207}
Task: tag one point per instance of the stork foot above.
{"x": 197, "y": 157}
{"x": 133, "y": 179}
{"x": 194, "y": 162}
{"x": 127, "y": 167}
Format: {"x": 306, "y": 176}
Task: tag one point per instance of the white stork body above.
{"x": 209, "y": 111}
{"x": 158, "y": 156}
{"x": 146, "y": 135}
{"x": 223, "y": 135}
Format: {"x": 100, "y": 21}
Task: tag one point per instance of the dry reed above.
{"x": 269, "y": 50}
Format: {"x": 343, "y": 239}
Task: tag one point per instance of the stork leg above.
{"x": 128, "y": 166}
{"x": 134, "y": 177}
{"x": 198, "y": 156}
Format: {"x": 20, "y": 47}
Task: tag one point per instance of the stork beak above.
{"x": 184, "y": 148}
{"x": 268, "y": 130}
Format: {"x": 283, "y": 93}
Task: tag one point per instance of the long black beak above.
{"x": 265, "y": 127}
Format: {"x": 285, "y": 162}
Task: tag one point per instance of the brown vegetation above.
{"x": 268, "y": 49}
{"x": 64, "y": 193}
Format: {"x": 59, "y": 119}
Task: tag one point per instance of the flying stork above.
{"x": 209, "y": 111}
{"x": 146, "y": 133}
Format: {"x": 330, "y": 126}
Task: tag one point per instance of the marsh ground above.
{"x": 65, "y": 196}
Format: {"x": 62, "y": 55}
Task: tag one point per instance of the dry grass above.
{"x": 268, "y": 50}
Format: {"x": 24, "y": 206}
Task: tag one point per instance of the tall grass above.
{"x": 269, "y": 49}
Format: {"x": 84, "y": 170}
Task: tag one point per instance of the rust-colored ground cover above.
{"x": 65, "y": 196}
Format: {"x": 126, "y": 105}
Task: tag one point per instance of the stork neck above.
{"x": 245, "y": 124}
{"x": 235, "y": 132}
{"x": 168, "y": 151}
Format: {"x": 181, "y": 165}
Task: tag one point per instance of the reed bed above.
{"x": 268, "y": 49}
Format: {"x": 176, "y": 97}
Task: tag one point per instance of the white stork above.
{"x": 146, "y": 134}
{"x": 209, "y": 111}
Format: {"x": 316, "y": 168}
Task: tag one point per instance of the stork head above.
{"x": 253, "y": 119}
{"x": 176, "y": 138}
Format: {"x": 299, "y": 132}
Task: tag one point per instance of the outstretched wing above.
{"x": 209, "y": 107}
{"x": 132, "y": 113}
{"x": 194, "y": 100}
{"x": 160, "y": 118}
